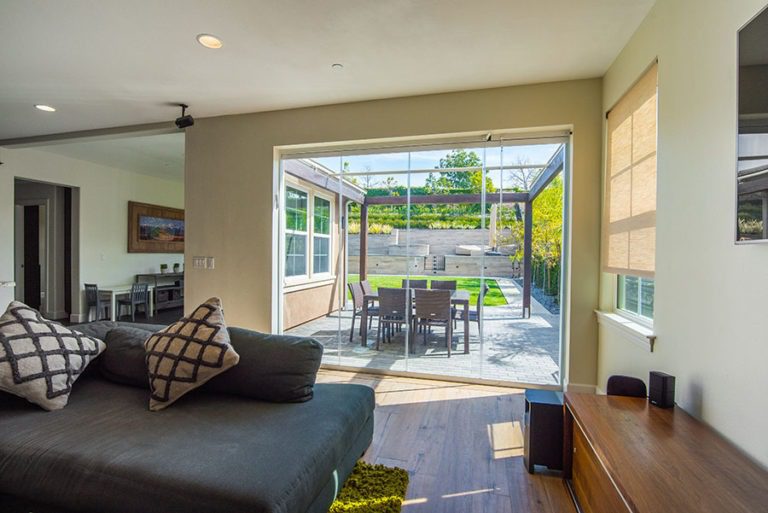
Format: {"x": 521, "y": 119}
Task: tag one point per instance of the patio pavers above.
{"x": 513, "y": 349}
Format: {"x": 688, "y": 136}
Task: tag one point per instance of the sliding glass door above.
{"x": 429, "y": 259}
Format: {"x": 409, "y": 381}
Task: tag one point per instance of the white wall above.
{"x": 711, "y": 295}
{"x": 104, "y": 193}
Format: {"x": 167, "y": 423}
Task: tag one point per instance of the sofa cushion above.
{"x": 275, "y": 368}
{"x": 188, "y": 353}
{"x": 124, "y": 360}
{"x": 40, "y": 359}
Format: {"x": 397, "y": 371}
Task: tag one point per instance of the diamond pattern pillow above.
{"x": 40, "y": 359}
{"x": 188, "y": 353}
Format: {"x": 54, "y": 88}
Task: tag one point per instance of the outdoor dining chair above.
{"x": 139, "y": 296}
{"x": 356, "y": 290}
{"x": 433, "y": 308}
{"x": 394, "y": 309}
{"x": 476, "y": 315}
{"x": 443, "y": 284}
{"x": 415, "y": 284}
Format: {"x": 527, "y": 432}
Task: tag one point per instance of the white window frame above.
{"x": 628, "y": 314}
{"x": 310, "y": 278}
{"x": 298, "y": 278}
{"x": 329, "y": 236}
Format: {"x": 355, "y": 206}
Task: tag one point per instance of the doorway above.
{"x": 43, "y": 247}
{"x": 483, "y": 217}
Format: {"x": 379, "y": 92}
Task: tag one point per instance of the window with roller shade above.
{"x": 629, "y": 213}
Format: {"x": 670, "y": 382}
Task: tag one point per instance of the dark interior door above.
{"x": 32, "y": 256}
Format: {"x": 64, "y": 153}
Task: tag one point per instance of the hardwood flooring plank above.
{"x": 459, "y": 443}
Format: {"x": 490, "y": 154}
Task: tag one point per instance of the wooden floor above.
{"x": 461, "y": 444}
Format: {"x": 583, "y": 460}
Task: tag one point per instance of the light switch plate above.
{"x": 199, "y": 262}
{"x": 210, "y": 263}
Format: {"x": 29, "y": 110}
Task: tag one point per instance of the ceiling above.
{"x": 752, "y": 38}
{"x": 106, "y": 64}
{"x": 156, "y": 155}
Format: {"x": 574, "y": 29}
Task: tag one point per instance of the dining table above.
{"x": 121, "y": 290}
{"x": 459, "y": 299}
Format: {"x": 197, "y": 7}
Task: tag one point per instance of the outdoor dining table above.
{"x": 459, "y": 298}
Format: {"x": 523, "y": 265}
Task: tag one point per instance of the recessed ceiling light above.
{"x": 337, "y": 66}
{"x": 209, "y": 41}
{"x": 45, "y": 108}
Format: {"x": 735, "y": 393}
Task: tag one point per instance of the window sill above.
{"x": 308, "y": 284}
{"x": 633, "y": 331}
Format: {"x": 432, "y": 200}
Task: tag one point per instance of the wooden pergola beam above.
{"x": 446, "y": 199}
{"x": 527, "y": 260}
{"x": 363, "y": 260}
{"x": 553, "y": 168}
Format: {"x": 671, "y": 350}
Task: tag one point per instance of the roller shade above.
{"x": 629, "y": 211}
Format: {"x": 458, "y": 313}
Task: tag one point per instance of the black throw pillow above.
{"x": 124, "y": 360}
{"x": 276, "y": 368}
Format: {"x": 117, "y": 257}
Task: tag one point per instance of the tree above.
{"x": 524, "y": 178}
{"x": 467, "y": 180}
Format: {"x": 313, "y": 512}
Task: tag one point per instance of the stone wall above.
{"x": 439, "y": 242}
{"x": 491, "y": 266}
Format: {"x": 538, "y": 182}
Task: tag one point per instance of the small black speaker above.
{"x": 661, "y": 389}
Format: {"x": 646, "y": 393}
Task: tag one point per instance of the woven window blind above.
{"x": 629, "y": 213}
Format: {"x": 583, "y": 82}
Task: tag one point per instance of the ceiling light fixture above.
{"x": 45, "y": 108}
{"x": 209, "y": 41}
{"x": 337, "y": 66}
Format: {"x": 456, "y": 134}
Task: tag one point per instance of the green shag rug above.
{"x": 372, "y": 489}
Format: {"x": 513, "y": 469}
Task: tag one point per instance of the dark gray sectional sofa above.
{"x": 210, "y": 452}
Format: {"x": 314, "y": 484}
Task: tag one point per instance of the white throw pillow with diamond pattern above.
{"x": 40, "y": 359}
{"x": 188, "y": 353}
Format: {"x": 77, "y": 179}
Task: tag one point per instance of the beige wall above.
{"x": 710, "y": 294}
{"x": 229, "y": 186}
{"x": 104, "y": 193}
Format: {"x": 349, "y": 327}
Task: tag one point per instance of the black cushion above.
{"x": 210, "y": 453}
{"x": 277, "y": 368}
{"x": 124, "y": 360}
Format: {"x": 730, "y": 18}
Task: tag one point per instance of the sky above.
{"x": 529, "y": 154}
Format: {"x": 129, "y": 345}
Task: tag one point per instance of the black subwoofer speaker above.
{"x": 661, "y": 391}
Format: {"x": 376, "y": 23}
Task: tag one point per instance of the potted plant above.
{"x": 163, "y": 268}
{"x": 176, "y": 267}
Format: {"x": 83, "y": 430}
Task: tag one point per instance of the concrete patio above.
{"x": 513, "y": 349}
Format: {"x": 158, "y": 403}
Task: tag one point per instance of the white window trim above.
{"x": 298, "y": 278}
{"x": 329, "y": 236}
{"x": 633, "y": 331}
{"x": 293, "y": 283}
{"x": 646, "y": 322}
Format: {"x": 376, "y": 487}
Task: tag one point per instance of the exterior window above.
{"x": 636, "y": 296}
{"x": 321, "y": 239}
{"x": 295, "y": 232}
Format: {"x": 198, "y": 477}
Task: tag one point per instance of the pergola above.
{"x": 354, "y": 194}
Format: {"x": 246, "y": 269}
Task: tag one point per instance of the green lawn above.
{"x": 494, "y": 297}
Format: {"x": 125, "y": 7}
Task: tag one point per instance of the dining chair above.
{"x": 394, "y": 309}
{"x": 443, "y": 284}
{"x": 357, "y": 292}
{"x": 626, "y": 386}
{"x": 476, "y": 315}
{"x": 433, "y": 308}
{"x": 96, "y": 300}
{"x": 415, "y": 284}
{"x": 138, "y": 296}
